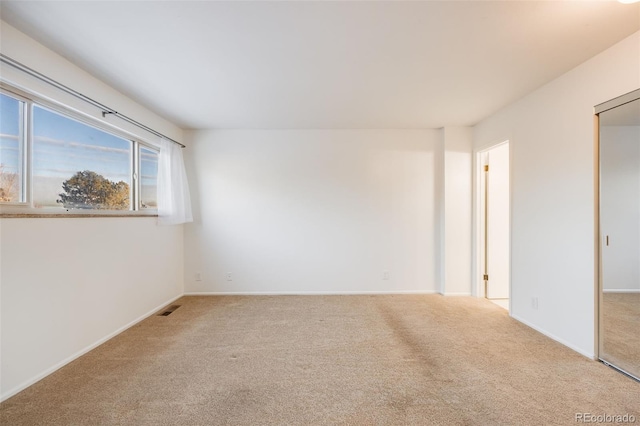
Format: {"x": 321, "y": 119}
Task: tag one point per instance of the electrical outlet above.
{"x": 229, "y": 276}
{"x": 198, "y": 276}
{"x": 534, "y": 303}
{"x": 385, "y": 275}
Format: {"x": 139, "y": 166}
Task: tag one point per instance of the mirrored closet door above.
{"x": 619, "y": 289}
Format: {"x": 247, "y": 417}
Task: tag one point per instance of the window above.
{"x": 11, "y": 136}
{"x": 73, "y": 165}
{"x": 78, "y": 166}
{"x": 148, "y": 178}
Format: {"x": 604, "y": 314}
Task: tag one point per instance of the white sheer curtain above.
{"x": 174, "y": 201}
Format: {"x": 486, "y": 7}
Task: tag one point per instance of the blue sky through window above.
{"x": 9, "y": 133}
{"x": 63, "y": 146}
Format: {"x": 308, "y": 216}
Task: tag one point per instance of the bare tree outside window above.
{"x": 8, "y": 185}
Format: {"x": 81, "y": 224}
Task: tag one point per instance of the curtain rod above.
{"x": 105, "y": 109}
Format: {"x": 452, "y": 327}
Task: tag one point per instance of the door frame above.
{"x": 477, "y": 285}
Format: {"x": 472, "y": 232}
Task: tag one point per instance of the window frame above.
{"x": 25, "y": 207}
{"x": 22, "y": 150}
{"x": 139, "y": 177}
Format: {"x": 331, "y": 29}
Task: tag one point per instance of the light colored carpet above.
{"x": 352, "y": 360}
{"x": 621, "y": 331}
{"x": 503, "y": 303}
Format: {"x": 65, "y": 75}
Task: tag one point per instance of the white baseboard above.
{"x": 621, "y": 290}
{"x": 303, "y": 293}
{"x": 589, "y": 355}
{"x": 457, "y": 294}
{"x": 81, "y": 352}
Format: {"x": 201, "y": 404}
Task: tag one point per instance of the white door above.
{"x": 497, "y": 222}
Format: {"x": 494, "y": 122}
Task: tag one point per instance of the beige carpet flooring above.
{"x": 349, "y": 360}
{"x": 621, "y": 326}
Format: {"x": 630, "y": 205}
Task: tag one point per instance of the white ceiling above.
{"x": 296, "y": 64}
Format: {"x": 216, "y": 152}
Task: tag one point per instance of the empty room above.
{"x": 319, "y": 212}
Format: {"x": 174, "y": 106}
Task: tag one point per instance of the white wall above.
{"x": 620, "y": 212}
{"x": 68, "y": 284}
{"x": 551, "y": 134}
{"x": 311, "y": 211}
{"x": 439, "y": 212}
{"x": 456, "y": 249}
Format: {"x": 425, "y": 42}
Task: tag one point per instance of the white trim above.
{"x": 466, "y": 293}
{"x": 581, "y": 351}
{"x": 305, "y": 293}
{"x": 621, "y": 290}
{"x": 81, "y": 352}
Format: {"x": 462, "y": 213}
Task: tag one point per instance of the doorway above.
{"x": 494, "y": 229}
